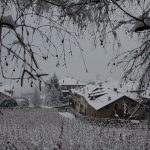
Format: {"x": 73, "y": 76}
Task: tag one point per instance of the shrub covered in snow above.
{"x": 47, "y": 130}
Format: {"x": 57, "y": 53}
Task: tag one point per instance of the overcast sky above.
{"x": 96, "y": 61}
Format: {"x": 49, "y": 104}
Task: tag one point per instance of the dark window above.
{"x": 116, "y": 107}
{"x": 133, "y": 104}
{"x": 109, "y": 98}
{"x": 93, "y": 97}
{"x": 107, "y": 107}
{"x": 115, "y": 89}
{"x": 81, "y": 106}
{"x": 81, "y": 109}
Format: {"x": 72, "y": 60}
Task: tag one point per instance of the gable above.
{"x": 123, "y": 99}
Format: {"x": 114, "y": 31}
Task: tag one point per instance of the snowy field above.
{"x": 45, "y": 129}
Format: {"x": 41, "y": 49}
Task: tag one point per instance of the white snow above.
{"x": 46, "y": 107}
{"x": 135, "y": 121}
{"x": 41, "y": 129}
{"x": 67, "y": 115}
{"x": 20, "y": 100}
{"x": 108, "y": 91}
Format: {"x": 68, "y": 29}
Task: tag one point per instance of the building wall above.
{"x": 3, "y": 96}
{"x": 80, "y": 104}
{"x": 108, "y": 111}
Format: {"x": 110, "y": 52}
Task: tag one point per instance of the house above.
{"x": 67, "y": 84}
{"x": 5, "y": 91}
{"x": 108, "y": 100}
{"x": 6, "y": 96}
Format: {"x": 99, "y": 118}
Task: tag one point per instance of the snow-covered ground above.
{"x": 67, "y": 115}
{"x": 46, "y": 129}
{"x": 46, "y": 107}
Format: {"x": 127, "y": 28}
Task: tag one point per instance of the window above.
{"x": 81, "y": 107}
{"x": 107, "y": 107}
{"x": 115, "y": 89}
{"x": 116, "y": 107}
{"x": 133, "y": 104}
{"x": 109, "y": 98}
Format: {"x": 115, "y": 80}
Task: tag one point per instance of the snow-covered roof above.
{"x": 6, "y": 89}
{"x": 70, "y": 81}
{"x": 21, "y": 100}
{"x": 104, "y": 93}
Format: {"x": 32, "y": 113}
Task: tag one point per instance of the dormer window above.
{"x": 109, "y": 98}
{"x": 92, "y": 98}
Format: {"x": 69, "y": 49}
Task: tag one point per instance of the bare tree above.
{"x": 20, "y": 23}
{"x": 100, "y": 17}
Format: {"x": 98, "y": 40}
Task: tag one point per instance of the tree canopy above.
{"x": 25, "y": 20}
{"x": 53, "y": 93}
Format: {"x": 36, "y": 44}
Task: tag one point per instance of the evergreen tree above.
{"x": 53, "y": 97}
